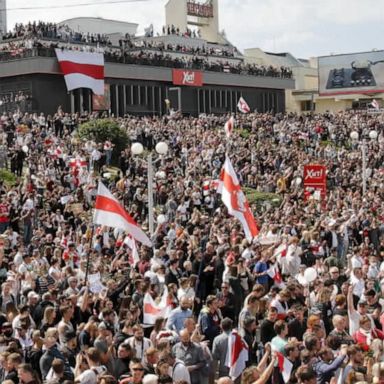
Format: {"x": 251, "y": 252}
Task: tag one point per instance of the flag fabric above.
{"x": 235, "y": 200}
{"x": 274, "y": 273}
{"x": 210, "y": 185}
{"x": 228, "y": 127}
{"x": 153, "y": 310}
{"x": 243, "y": 106}
{"x": 285, "y": 366}
{"x": 375, "y": 104}
{"x": 237, "y": 355}
{"x": 131, "y": 243}
{"x": 78, "y": 163}
{"x": 109, "y": 212}
{"x": 281, "y": 250}
{"x": 82, "y": 70}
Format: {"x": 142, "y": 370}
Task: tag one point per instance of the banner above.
{"x": 187, "y": 77}
{"x": 315, "y": 182}
{"x": 351, "y": 73}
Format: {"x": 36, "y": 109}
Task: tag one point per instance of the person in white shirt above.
{"x": 177, "y": 369}
{"x": 139, "y": 343}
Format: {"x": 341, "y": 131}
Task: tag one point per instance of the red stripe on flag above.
{"x": 280, "y": 361}
{"x": 91, "y": 70}
{"x": 151, "y": 310}
{"x": 105, "y": 204}
{"x": 237, "y": 348}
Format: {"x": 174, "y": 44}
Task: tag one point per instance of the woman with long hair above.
{"x": 159, "y": 325}
{"x": 27, "y": 375}
{"x": 49, "y": 319}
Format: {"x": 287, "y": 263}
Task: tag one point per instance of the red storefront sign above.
{"x": 315, "y": 181}
{"x": 187, "y": 77}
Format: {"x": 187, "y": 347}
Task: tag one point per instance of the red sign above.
{"x": 315, "y": 181}
{"x": 315, "y": 174}
{"x": 199, "y": 10}
{"x": 187, "y": 77}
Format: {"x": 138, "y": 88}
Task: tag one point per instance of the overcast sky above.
{"x": 305, "y": 28}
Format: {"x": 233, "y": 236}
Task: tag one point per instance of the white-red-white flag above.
{"x": 82, "y": 70}
{"x": 131, "y": 243}
{"x": 78, "y": 163}
{"x": 229, "y": 126}
{"x": 243, "y": 106}
{"x": 375, "y": 104}
{"x": 235, "y": 200}
{"x": 237, "y": 355}
{"x": 274, "y": 273}
{"x": 281, "y": 250}
{"x": 109, "y": 212}
{"x": 285, "y": 366}
{"x": 153, "y": 310}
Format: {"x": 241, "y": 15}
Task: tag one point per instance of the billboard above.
{"x": 315, "y": 181}
{"x": 351, "y": 73}
{"x": 102, "y": 102}
{"x": 187, "y": 77}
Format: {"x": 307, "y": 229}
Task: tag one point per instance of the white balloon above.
{"x": 161, "y": 219}
{"x": 310, "y": 275}
{"x": 25, "y": 148}
{"x": 161, "y": 175}
{"x": 137, "y": 148}
{"x": 161, "y": 148}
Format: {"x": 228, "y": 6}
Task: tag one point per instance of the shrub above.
{"x": 7, "y": 177}
{"x": 101, "y": 130}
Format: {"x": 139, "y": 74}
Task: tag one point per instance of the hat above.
{"x": 362, "y": 302}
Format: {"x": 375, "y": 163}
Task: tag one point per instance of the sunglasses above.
{"x": 137, "y": 369}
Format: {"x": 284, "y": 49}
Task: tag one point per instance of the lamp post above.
{"x": 137, "y": 149}
{"x": 363, "y": 145}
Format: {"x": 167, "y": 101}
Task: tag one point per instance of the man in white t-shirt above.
{"x": 89, "y": 376}
{"x": 177, "y": 369}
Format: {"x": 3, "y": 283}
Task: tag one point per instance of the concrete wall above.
{"x": 176, "y": 14}
{"x": 49, "y": 65}
{"x": 3, "y": 16}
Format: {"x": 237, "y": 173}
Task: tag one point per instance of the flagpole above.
{"x": 89, "y": 255}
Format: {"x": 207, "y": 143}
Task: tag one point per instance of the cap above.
{"x": 362, "y": 302}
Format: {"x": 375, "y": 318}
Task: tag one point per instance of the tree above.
{"x": 100, "y": 130}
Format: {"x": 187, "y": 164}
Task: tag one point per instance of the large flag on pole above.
{"x": 153, "y": 310}
{"x": 82, "y": 70}
{"x": 237, "y": 355}
{"x": 235, "y": 200}
{"x": 109, "y": 212}
{"x": 243, "y": 106}
{"x": 228, "y": 127}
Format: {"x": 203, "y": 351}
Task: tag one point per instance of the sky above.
{"x": 305, "y": 28}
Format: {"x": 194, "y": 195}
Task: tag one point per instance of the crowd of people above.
{"x": 40, "y": 40}
{"x": 73, "y": 295}
{"x": 44, "y": 30}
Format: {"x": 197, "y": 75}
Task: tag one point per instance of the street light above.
{"x": 355, "y": 137}
{"x": 137, "y": 149}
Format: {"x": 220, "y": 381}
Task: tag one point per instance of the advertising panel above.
{"x": 315, "y": 181}
{"x": 351, "y": 73}
{"x": 187, "y": 77}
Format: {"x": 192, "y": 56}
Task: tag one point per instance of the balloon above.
{"x": 161, "y": 219}
{"x": 310, "y": 275}
{"x": 25, "y": 148}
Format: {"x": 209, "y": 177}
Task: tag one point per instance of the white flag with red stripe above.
{"x": 229, "y": 126}
{"x": 78, "y": 163}
{"x": 82, "y": 70}
{"x": 237, "y": 355}
{"x": 281, "y": 250}
{"x": 131, "y": 243}
{"x": 274, "y": 273}
{"x": 285, "y": 366}
{"x": 109, "y": 212}
{"x": 153, "y": 310}
{"x": 235, "y": 200}
{"x": 243, "y": 106}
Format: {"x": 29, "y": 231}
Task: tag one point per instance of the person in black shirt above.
{"x": 267, "y": 332}
{"x": 298, "y": 325}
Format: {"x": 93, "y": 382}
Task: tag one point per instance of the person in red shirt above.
{"x": 366, "y": 334}
{"x": 4, "y": 215}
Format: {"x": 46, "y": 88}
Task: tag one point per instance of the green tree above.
{"x": 101, "y": 130}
